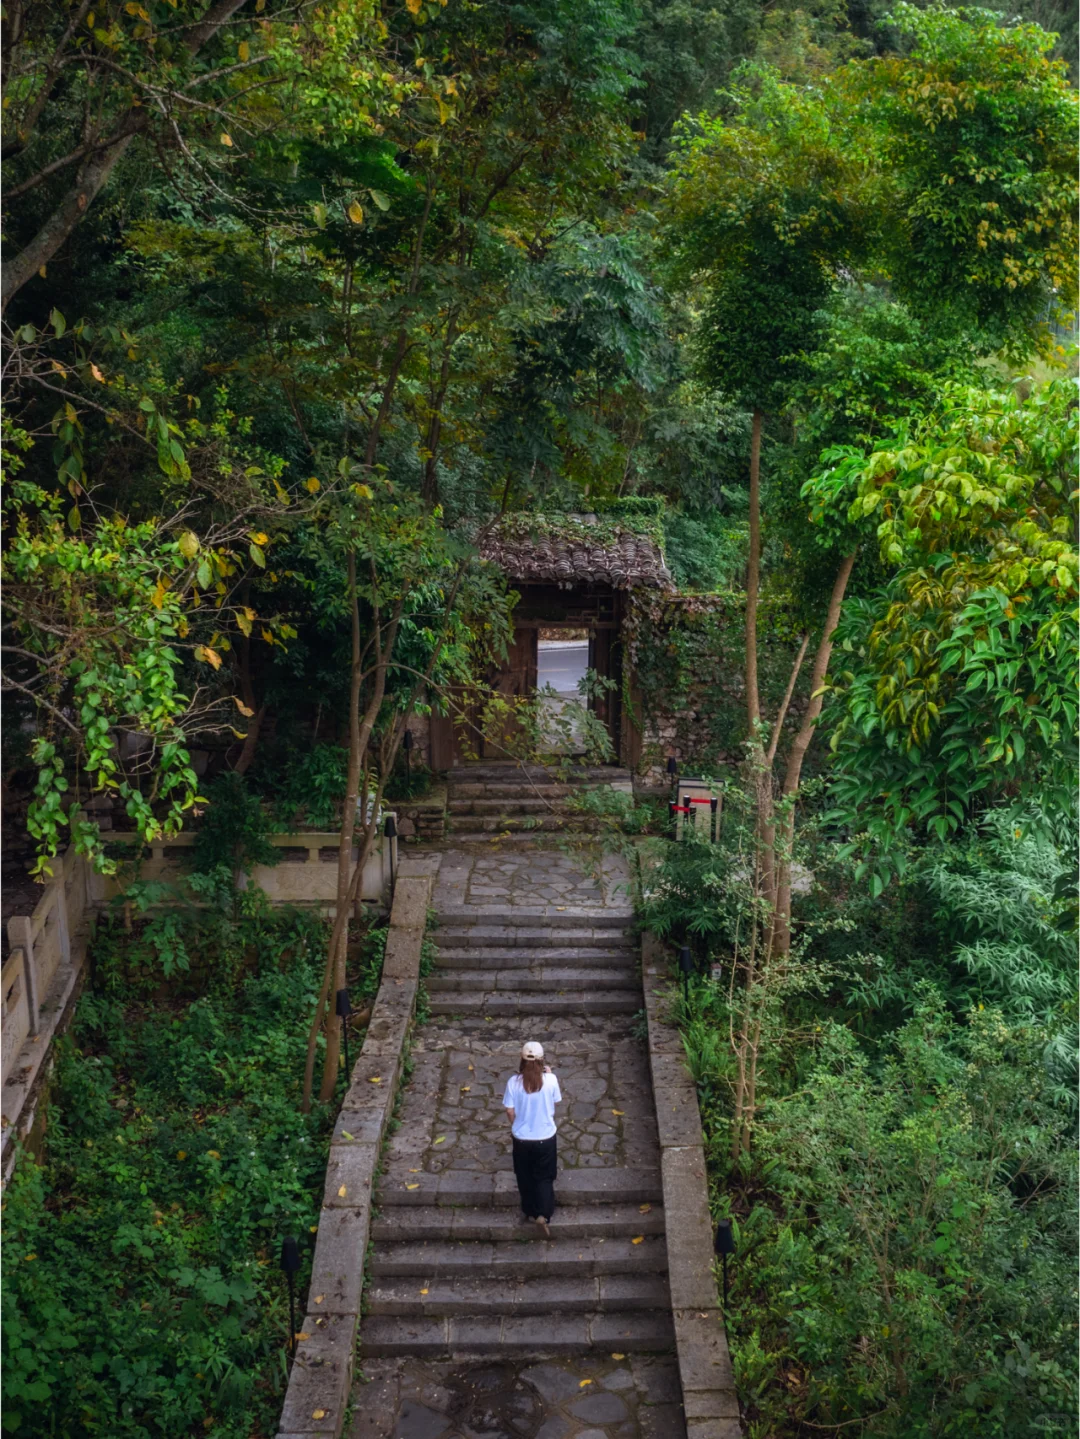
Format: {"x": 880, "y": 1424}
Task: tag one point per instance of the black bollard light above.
{"x": 672, "y": 768}
{"x": 344, "y": 1009}
{"x": 686, "y": 964}
{"x": 714, "y": 805}
{"x": 390, "y": 831}
{"x": 290, "y": 1263}
{"x": 724, "y": 1245}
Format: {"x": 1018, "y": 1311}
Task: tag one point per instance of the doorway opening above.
{"x": 562, "y": 658}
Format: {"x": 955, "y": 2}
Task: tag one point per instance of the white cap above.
{"x": 532, "y": 1050}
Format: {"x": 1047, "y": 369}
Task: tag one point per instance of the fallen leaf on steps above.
{"x": 619, "y": 1112}
{"x": 584, "y": 1382}
{"x": 644, "y": 1208}
{"x": 341, "y": 1192}
{"x": 618, "y": 1356}
{"x": 639, "y": 1240}
{"x": 319, "y": 1298}
{"x": 412, "y": 1186}
{"x": 441, "y": 1139}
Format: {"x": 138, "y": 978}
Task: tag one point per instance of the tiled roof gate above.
{"x": 575, "y": 550}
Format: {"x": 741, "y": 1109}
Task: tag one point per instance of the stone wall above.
{"x": 321, "y": 1374}
{"x": 687, "y": 660}
{"x": 710, "y": 1402}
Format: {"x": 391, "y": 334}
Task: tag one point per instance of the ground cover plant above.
{"x": 142, "y": 1292}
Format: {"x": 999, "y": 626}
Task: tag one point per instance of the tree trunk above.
{"x": 94, "y": 172}
{"x": 781, "y": 938}
{"x": 760, "y": 770}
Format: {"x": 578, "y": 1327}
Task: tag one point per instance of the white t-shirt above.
{"x": 534, "y": 1114}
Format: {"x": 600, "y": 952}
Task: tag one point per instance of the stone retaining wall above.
{"x": 709, "y": 1399}
{"x": 321, "y": 1376}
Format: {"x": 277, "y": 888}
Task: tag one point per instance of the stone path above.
{"x": 474, "y": 1325}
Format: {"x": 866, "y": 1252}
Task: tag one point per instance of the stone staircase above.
{"x": 455, "y": 1273}
{"x": 503, "y": 797}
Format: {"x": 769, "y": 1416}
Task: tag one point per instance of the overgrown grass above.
{"x": 142, "y": 1292}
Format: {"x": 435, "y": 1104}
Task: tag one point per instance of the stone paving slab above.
{"x": 632, "y": 1397}
{"x": 455, "y": 1274}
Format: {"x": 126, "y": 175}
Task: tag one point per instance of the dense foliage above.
{"x": 142, "y": 1293}
{"x": 300, "y": 298}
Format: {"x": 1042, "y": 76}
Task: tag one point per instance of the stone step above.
{"x": 500, "y": 789}
{"x": 517, "y": 1336}
{"x": 489, "y": 1001}
{"x": 509, "y": 772}
{"x": 525, "y": 958}
{"x": 502, "y": 1227}
{"x": 536, "y": 931}
{"x": 448, "y": 1259}
{"x": 512, "y": 1294}
{"x": 539, "y": 979}
{"x": 546, "y": 823}
{"x": 511, "y": 804}
{"x": 479, "y": 1028}
{"x": 608, "y": 1185}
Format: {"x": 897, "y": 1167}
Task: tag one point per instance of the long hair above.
{"x": 532, "y": 1075}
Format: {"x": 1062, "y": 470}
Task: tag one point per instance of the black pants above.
{"x": 535, "y": 1162}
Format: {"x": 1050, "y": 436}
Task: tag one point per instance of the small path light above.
{"x": 724, "y": 1245}
{"x": 344, "y": 1009}
{"x": 672, "y": 769}
{"x": 390, "y": 831}
{"x": 290, "y": 1263}
{"x": 714, "y": 805}
{"x": 686, "y": 964}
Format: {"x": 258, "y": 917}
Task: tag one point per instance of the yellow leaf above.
{"x": 465, "y": 1088}
{"x": 413, "y": 6}
{"x": 423, "y": 1291}
{"x": 639, "y": 1240}
{"x": 375, "y": 1079}
{"x": 414, "y": 1171}
{"x": 188, "y": 544}
{"x": 181, "y": 1154}
{"x": 97, "y": 374}
{"x": 226, "y": 140}
{"x": 302, "y": 1336}
{"x": 260, "y": 6}
{"x": 313, "y": 1229}
{"x": 441, "y": 1139}
{"x": 319, "y": 1298}
{"x": 157, "y": 599}
{"x": 618, "y": 1356}
{"x": 356, "y": 213}
{"x": 312, "y": 486}
{"x": 259, "y": 538}
{"x": 27, "y": 1258}
{"x": 212, "y": 1154}
{"x": 42, "y": 271}
{"x": 619, "y": 1112}
{"x": 204, "y": 652}
{"x": 243, "y": 50}
{"x": 412, "y": 1186}
{"x": 364, "y": 492}
{"x": 644, "y": 1208}
{"x": 341, "y": 1192}
{"x": 318, "y": 1414}
{"x": 584, "y": 1382}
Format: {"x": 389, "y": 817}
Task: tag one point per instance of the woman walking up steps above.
{"x": 530, "y": 1099}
